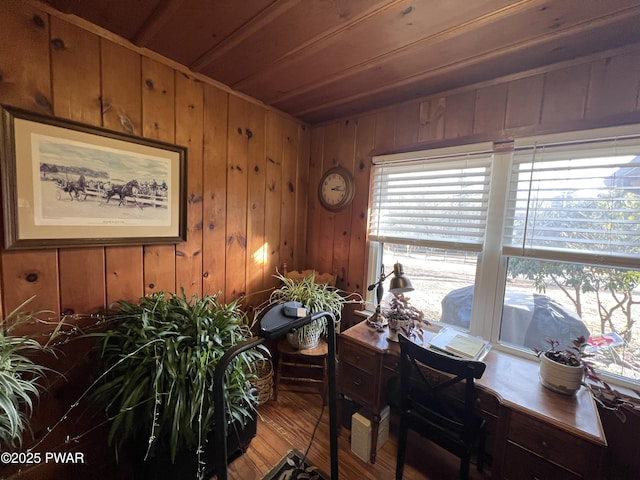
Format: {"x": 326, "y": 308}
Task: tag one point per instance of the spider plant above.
{"x": 20, "y": 378}
{"x": 159, "y": 357}
{"x": 317, "y": 297}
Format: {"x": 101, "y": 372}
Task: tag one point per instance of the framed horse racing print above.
{"x": 65, "y": 184}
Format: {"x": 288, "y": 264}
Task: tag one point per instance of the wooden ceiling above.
{"x": 320, "y": 60}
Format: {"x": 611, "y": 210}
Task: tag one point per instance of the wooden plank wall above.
{"x": 252, "y": 172}
{"x": 246, "y": 184}
{"x": 587, "y": 93}
{"x": 246, "y": 187}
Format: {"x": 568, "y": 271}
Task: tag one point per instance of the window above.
{"x": 437, "y": 201}
{"x": 575, "y": 201}
{"x": 429, "y": 213}
{"x": 433, "y": 272}
{"x": 536, "y": 239}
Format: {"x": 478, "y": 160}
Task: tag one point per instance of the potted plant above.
{"x": 20, "y": 378}
{"x": 575, "y": 359}
{"x": 158, "y": 360}
{"x": 317, "y": 297}
{"x": 402, "y": 316}
{"x": 563, "y": 370}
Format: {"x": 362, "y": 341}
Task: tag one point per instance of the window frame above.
{"x": 375, "y": 248}
{"x": 491, "y": 269}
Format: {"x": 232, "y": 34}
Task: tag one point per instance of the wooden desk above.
{"x": 537, "y": 433}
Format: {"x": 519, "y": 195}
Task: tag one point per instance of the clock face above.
{"x": 336, "y": 189}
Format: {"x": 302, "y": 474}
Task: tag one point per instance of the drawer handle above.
{"x": 357, "y": 358}
{"x": 545, "y": 444}
{"x": 357, "y": 382}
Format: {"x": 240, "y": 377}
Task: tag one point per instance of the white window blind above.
{"x": 435, "y": 200}
{"x": 576, "y": 202}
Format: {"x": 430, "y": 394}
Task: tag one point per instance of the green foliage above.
{"x": 576, "y": 279}
{"x": 20, "y": 378}
{"x": 159, "y": 358}
{"x": 318, "y": 297}
{"x": 585, "y": 278}
{"x": 569, "y": 274}
{"x": 615, "y": 213}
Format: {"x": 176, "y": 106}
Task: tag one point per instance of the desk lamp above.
{"x": 275, "y": 323}
{"x": 400, "y": 283}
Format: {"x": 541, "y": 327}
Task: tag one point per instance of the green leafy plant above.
{"x": 159, "y": 356}
{"x": 317, "y": 297}
{"x": 20, "y": 377}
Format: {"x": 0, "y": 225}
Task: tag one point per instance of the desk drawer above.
{"x": 551, "y": 443}
{"x": 488, "y": 403}
{"x": 392, "y": 363}
{"x": 358, "y": 384}
{"x": 358, "y": 356}
{"x": 520, "y": 464}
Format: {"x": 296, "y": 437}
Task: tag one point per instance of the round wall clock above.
{"x": 336, "y": 189}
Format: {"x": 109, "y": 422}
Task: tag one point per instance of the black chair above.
{"x": 434, "y": 405}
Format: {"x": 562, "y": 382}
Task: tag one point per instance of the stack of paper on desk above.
{"x": 460, "y": 344}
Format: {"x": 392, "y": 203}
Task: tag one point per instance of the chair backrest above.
{"x": 435, "y": 398}
{"x": 319, "y": 278}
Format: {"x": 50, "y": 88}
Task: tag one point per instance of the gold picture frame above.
{"x": 66, "y": 184}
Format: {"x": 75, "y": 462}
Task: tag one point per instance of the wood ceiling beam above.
{"x": 457, "y": 30}
{"x": 154, "y": 22}
{"x": 544, "y": 38}
{"x": 258, "y": 22}
{"x": 374, "y": 10}
{"x": 466, "y": 64}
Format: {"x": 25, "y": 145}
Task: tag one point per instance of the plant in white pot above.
{"x": 317, "y": 297}
{"x": 563, "y": 370}
{"x": 566, "y": 370}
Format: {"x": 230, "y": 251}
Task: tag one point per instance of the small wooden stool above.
{"x": 302, "y": 367}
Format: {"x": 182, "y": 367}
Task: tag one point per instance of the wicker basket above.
{"x": 264, "y": 382}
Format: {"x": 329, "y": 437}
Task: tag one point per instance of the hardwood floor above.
{"x": 289, "y": 422}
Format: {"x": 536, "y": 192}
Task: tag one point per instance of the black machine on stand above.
{"x": 274, "y": 324}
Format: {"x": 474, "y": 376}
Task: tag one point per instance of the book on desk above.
{"x": 459, "y": 344}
